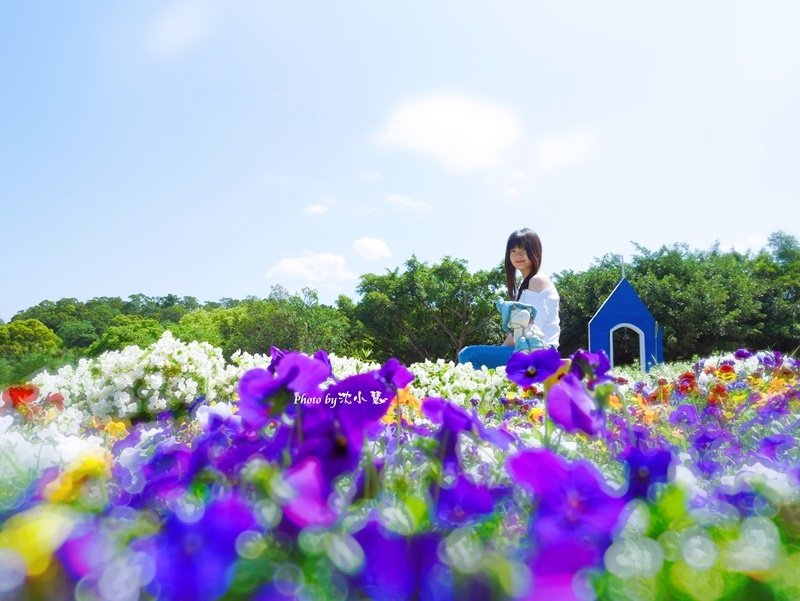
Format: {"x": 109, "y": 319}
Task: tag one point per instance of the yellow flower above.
{"x": 777, "y": 386}
{"x": 726, "y": 373}
{"x": 116, "y": 430}
{"x": 403, "y": 399}
{"x": 614, "y": 402}
{"x": 35, "y": 534}
{"x": 69, "y": 484}
{"x": 536, "y": 415}
{"x": 556, "y": 377}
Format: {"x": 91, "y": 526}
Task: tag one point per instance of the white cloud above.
{"x": 177, "y": 29}
{"x": 320, "y": 208}
{"x": 520, "y": 175}
{"x": 371, "y": 177}
{"x": 372, "y": 249}
{"x": 405, "y": 202}
{"x": 554, "y": 153}
{"x": 320, "y": 269}
{"x": 512, "y": 192}
{"x": 316, "y": 209}
{"x": 460, "y": 132}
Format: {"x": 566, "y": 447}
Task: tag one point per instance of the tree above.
{"x": 127, "y": 330}
{"x": 429, "y": 312}
{"x": 201, "y": 325}
{"x": 77, "y": 333}
{"x": 706, "y": 300}
{"x": 101, "y": 311}
{"x": 777, "y": 275}
{"x": 285, "y": 321}
{"x": 24, "y": 336}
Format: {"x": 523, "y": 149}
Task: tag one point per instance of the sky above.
{"x": 218, "y": 147}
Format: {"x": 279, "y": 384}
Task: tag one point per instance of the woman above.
{"x": 523, "y": 254}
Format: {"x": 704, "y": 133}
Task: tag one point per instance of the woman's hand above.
{"x": 509, "y": 341}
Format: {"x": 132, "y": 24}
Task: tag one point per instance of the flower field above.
{"x": 171, "y": 473}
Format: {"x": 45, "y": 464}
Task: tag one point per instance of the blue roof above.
{"x": 623, "y": 302}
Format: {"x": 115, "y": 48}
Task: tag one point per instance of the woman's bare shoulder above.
{"x": 539, "y": 283}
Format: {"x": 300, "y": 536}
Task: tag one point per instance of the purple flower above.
{"x": 395, "y": 375}
{"x": 775, "y": 407}
{"x": 499, "y": 437}
{"x": 267, "y": 393}
{"x": 309, "y": 506}
{"x": 771, "y": 445}
{"x": 453, "y": 420}
{"x": 400, "y": 567}
{"x": 226, "y": 447}
{"x": 644, "y": 468}
{"x": 684, "y": 414}
{"x": 592, "y": 366}
{"x": 770, "y": 360}
{"x": 572, "y": 408}
{"x": 708, "y": 468}
{"x": 573, "y": 501}
{"x": 706, "y": 439}
{"x": 742, "y": 354}
{"x": 463, "y": 501}
{"x": 166, "y": 474}
{"x": 336, "y": 434}
{"x": 194, "y": 558}
{"x": 85, "y": 550}
{"x": 555, "y": 566}
{"x": 525, "y": 369}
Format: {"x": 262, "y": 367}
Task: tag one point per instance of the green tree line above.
{"x": 707, "y": 300}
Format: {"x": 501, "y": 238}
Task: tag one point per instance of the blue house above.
{"x": 624, "y": 309}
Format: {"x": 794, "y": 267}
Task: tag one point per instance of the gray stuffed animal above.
{"x": 518, "y": 317}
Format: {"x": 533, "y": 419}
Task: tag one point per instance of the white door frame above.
{"x": 642, "y": 355}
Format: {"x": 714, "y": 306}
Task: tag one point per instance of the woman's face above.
{"x": 519, "y": 259}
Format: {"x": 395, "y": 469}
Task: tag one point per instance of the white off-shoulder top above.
{"x": 546, "y": 304}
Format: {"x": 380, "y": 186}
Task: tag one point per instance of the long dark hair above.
{"x": 527, "y": 239}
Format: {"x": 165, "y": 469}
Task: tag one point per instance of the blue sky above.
{"x": 214, "y": 148}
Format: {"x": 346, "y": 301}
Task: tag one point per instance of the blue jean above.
{"x": 485, "y": 354}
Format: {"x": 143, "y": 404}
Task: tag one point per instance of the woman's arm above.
{"x": 509, "y": 341}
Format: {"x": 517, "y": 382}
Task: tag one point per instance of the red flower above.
{"x": 56, "y": 399}
{"x": 20, "y": 395}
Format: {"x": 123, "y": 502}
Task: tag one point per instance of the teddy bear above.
{"x": 518, "y": 317}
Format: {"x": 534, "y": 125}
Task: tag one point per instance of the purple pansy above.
{"x": 708, "y": 468}
{"x": 309, "y": 506}
{"x": 526, "y": 369}
{"x": 571, "y": 407}
{"x": 194, "y": 559}
{"x": 264, "y": 393}
{"x": 453, "y": 420}
{"x": 399, "y": 567}
{"x": 591, "y": 366}
{"x": 335, "y": 432}
{"x": 463, "y": 501}
{"x": 555, "y": 566}
{"x": 705, "y": 439}
{"x": 774, "y": 444}
{"x": 395, "y": 374}
{"x": 573, "y": 501}
{"x": 685, "y": 415}
{"x": 166, "y": 474}
{"x": 644, "y": 468}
